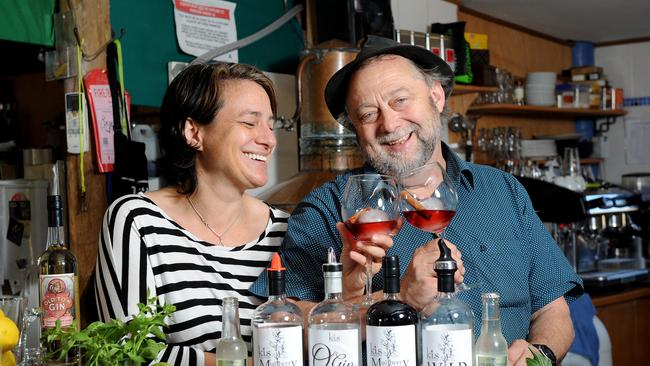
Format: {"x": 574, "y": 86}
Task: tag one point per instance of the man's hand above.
{"x": 353, "y": 258}
{"x": 420, "y": 283}
{"x": 518, "y": 352}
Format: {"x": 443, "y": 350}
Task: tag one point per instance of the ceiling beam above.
{"x": 622, "y": 41}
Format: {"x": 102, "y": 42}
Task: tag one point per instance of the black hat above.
{"x": 337, "y": 87}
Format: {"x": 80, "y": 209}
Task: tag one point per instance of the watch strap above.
{"x": 546, "y": 352}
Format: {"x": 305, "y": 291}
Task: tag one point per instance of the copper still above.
{"x": 326, "y": 147}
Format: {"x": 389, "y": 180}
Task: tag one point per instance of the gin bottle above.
{"x": 58, "y": 278}
{"x": 491, "y": 346}
{"x": 334, "y": 327}
{"x": 391, "y": 324}
{"x": 447, "y": 322}
{"x": 277, "y": 324}
{"x": 231, "y": 349}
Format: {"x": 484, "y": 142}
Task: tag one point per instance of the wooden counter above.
{"x": 626, "y": 314}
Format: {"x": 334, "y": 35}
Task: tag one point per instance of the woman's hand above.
{"x": 353, "y": 258}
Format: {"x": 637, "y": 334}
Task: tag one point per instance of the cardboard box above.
{"x": 477, "y": 41}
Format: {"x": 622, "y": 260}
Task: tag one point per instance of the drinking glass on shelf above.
{"x": 429, "y": 200}
{"x": 370, "y": 205}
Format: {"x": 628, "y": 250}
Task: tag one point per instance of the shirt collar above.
{"x": 458, "y": 169}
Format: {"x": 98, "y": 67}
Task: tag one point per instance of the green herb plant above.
{"x": 538, "y": 360}
{"x": 135, "y": 342}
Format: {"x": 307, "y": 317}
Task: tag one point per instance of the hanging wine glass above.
{"x": 370, "y": 205}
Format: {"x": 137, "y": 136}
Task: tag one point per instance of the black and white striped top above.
{"x": 142, "y": 249}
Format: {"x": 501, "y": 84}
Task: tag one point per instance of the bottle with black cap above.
{"x": 391, "y": 324}
{"x": 447, "y": 322}
{"x": 277, "y": 324}
{"x": 334, "y": 326}
{"x": 58, "y": 279}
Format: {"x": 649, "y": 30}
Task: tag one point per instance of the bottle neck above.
{"x": 55, "y": 233}
{"x": 446, "y": 282}
{"x": 276, "y": 284}
{"x": 55, "y": 236}
{"x": 490, "y": 318}
{"x": 280, "y": 297}
{"x": 333, "y": 286}
{"x": 391, "y": 286}
{"x": 230, "y": 319}
{"x": 392, "y": 296}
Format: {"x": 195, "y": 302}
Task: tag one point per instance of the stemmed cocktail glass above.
{"x": 370, "y": 205}
{"x": 429, "y": 200}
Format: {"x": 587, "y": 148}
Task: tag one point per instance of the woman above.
{"x": 203, "y": 238}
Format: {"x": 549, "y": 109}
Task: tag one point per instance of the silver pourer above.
{"x": 333, "y": 273}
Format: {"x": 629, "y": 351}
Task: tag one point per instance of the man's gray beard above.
{"x": 391, "y": 163}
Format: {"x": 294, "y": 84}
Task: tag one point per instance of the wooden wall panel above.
{"x": 95, "y": 29}
{"x": 517, "y": 51}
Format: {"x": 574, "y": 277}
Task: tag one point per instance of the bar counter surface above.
{"x": 626, "y": 314}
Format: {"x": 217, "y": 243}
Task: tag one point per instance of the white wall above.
{"x": 626, "y": 66}
{"x": 284, "y": 162}
{"x": 417, "y": 15}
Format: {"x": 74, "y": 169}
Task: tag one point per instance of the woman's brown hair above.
{"x": 197, "y": 93}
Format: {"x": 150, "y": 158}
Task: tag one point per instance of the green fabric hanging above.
{"x": 28, "y": 21}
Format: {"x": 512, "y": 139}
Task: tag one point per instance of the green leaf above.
{"x": 116, "y": 342}
{"x": 538, "y": 359}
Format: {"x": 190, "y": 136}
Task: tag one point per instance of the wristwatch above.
{"x": 546, "y": 352}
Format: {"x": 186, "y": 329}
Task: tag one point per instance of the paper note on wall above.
{"x": 203, "y": 25}
{"x": 637, "y": 148}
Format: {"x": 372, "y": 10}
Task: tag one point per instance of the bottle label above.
{"x": 241, "y": 362}
{"x": 277, "y": 346}
{"x": 447, "y": 344}
{"x": 391, "y": 346}
{"x": 334, "y": 347}
{"x": 58, "y": 299}
{"x": 489, "y": 360}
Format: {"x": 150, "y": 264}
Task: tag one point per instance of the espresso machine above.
{"x": 595, "y": 229}
{"x": 609, "y": 244}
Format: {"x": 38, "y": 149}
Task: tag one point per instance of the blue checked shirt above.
{"x": 505, "y": 247}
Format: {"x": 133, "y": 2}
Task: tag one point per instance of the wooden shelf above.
{"x": 467, "y": 89}
{"x": 589, "y": 161}
{"x": 535, "y": 111}
{"x": 583, "y": 161}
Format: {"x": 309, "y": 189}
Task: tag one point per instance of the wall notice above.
{"x": 637, "y": 135}
{"x": 203, "y": 25}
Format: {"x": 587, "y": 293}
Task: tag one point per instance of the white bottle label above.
{"x": 447, "y": 344}
{"x": 391, "y": 346}
{"x": 274, "y": 346}
{"x": 334, "y": 347}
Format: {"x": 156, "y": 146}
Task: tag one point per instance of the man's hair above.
{"x": 197, "y": 94}
{"x": 429, "y": 76}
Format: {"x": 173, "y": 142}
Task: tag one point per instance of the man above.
{"x": 393, "y": 97}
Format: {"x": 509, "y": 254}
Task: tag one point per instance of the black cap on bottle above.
{"x": 276, "y": 276}
{"x": 54, "y": 211}
{"x": 390, "y": 264}
{"x": 445, "y": 268}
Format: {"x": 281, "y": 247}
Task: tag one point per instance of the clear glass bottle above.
{"x": 491, "y": 347}
{"x": 391, "y": 324}
{"x": 277, "y": 324}
{"x": 447, "y": 322}
{"x": 334, "y": 326}
{"x": 58, "y": 279}
{"x": 231, "y": 349}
